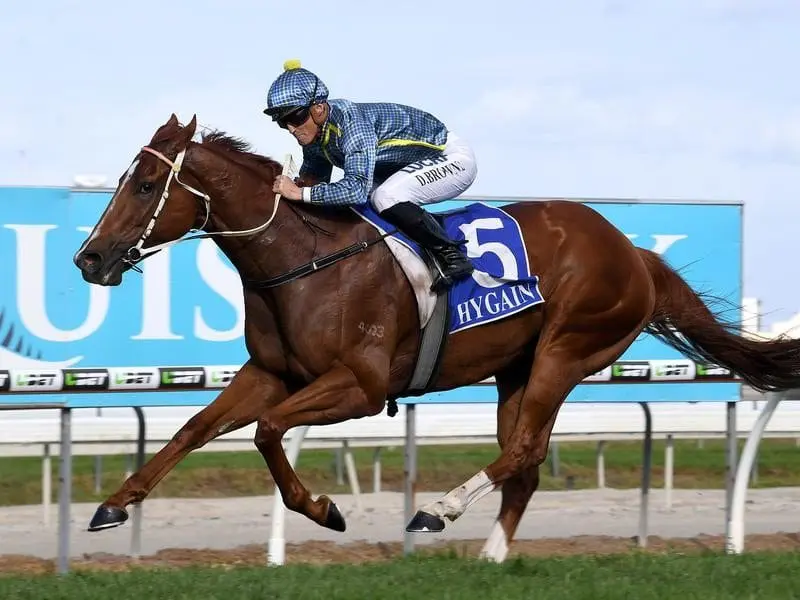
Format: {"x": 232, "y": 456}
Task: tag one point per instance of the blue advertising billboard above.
{"x": 186, "y": 307}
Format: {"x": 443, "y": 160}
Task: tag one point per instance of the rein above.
{"x": 137, "y": 253}
{"x": 315, "y": 265}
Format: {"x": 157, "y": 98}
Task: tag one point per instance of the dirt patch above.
{"x": 331, "y": 553}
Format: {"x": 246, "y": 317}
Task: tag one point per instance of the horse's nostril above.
{"x": 89, "y": 262}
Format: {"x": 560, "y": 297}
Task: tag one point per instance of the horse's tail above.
{"x": 682, "y": 318}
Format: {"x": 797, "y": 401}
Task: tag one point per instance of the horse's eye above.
{"x": 145, "y": 187}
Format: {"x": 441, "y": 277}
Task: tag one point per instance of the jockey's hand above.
{"x": 286, "y": 188}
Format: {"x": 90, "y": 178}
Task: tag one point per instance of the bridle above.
{"x": 139, "y": 252}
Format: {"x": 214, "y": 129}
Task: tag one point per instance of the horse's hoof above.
{"x": 335, "y": 520}
{"x": 425, "y": 522}
{"x": 106, "y": 517}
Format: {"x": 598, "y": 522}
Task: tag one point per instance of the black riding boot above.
{"x": 423, "y": 228}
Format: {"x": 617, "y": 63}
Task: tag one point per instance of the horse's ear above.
{"x": 189, "y": 130}
{"x": 167, "y": 130}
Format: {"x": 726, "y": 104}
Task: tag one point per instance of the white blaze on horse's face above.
{"x": 100, "y": 256}
{"x": 128, "y": 175}
{"x": 125, "y": 179}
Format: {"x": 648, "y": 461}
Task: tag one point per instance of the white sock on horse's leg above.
{"x": 455, "y": 502}
{"x": 496, "y": 547}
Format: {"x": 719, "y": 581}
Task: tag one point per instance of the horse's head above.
{"x": 146, "y": 209}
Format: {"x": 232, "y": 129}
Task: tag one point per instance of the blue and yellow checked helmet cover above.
{"x": 293, "y": 88}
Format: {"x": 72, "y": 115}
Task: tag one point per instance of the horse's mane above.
{"x": 240, "y": 151}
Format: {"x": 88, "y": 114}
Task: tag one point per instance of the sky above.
{"x": 696, "y": 99}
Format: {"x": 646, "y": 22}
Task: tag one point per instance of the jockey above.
{"x": 394, "y": 156}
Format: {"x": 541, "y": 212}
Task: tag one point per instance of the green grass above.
{"x": 208, "y": 474}
{"x": 444, "y": 576}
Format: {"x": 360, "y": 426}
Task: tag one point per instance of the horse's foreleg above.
{"x": 336, "y": 396}
{"x": 248, "y": 395}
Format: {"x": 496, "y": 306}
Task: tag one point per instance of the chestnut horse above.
{"x": 312, "y": 361}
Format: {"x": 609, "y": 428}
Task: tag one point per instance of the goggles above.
{"x": 295, "y": 118}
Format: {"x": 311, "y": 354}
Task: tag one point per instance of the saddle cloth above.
{"x": 502, "y": 283}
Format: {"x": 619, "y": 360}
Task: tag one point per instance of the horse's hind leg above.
{"x": 578, "y": 339}
{"x": 247, "y": 396}
{"x": 516, "y": 493}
